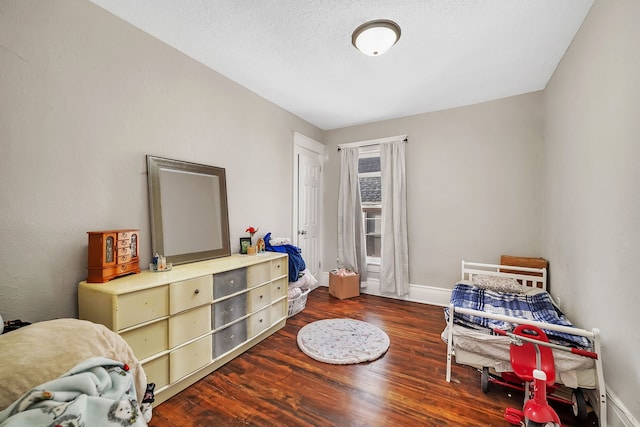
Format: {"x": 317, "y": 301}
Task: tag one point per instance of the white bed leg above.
{"x": 601, "y": 388}
{"x": 450, "y": 341}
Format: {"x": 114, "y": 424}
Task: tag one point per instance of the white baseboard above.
{"x": 417, "y": 293}
{"x": 619, "y": 410}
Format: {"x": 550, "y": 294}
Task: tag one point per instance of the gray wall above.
{"x": 84, "y": 97}
{"x": 473, "y": 176}
{"x": 591, "y": 221}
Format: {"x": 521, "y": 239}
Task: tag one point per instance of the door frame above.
{"x": 304, "y": 143}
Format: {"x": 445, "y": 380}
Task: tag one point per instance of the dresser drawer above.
{"x": 190, "y": 293}
{"x": 229, "y": 338}
{"x": 148, "y": 340}
{"x": 189, "y": 358}
{"x": 142, "y": 306}
{"x": 125, "y": 235}
{"x": 229, "y": 310}
{"x": 258, "y": 298}
{"x": 279, "y": 310}
{"x": 258, "y": 274}
{"x": 157, "y": 371}
{"x": 258, "y": 322}
{"x": 278, "y": 267}
{"x": 110, "y": 272}
{"x": 189, "y": 325}
{"x": 124, "y": 251}
{"x": 279, "y": 288}
{"x": 229, "y": 282}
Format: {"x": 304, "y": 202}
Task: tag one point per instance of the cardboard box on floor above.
{"x": 343, "y": 287}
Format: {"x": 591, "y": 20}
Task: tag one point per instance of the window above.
{"x": 371, "y": 196}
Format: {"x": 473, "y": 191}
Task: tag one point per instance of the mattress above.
{"x": 479, "y": 349}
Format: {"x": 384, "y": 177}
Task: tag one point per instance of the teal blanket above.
{"x": 96, "y": 392}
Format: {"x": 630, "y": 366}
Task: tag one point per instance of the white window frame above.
{"x": 364, "y": 152}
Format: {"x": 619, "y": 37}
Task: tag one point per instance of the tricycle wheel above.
{"x": 484, "y": 380}
{"x": 579, "y": 404}
{"x": 535, "y": 424}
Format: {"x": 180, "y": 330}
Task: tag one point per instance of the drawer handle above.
{"x": 231, "y": 337}
{"x": 197, "y": 291}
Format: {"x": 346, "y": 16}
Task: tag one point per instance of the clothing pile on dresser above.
{"x": 283, "y": 245}
{"x": 300, "y": 278}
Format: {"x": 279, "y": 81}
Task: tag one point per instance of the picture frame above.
{"x": 245, "y": 242}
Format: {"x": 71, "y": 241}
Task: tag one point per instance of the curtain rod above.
{"x": 373, "y": 142}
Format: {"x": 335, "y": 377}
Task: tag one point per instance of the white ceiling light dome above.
{"x": 374, "y": 38}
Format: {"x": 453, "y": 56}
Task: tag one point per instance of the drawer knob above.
{"x": 260, "y": 320}
{"x": 261, "y": 296}
{"x": 197, "y": 291}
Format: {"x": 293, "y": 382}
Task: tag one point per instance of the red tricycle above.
{"x": 532, "y": 362}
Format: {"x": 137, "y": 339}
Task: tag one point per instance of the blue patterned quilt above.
{"x": 538, "y": 307}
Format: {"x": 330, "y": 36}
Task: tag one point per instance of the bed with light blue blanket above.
{"x": 97, "y": 392}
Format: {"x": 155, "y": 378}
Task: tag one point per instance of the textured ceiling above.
{"x": 298, "y": 53}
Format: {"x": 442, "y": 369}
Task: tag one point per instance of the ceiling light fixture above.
{"x": 374, "y": 38}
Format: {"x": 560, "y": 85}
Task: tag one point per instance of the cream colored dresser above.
{"x": 185, "y": 323}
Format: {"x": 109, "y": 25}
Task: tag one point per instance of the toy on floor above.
{"x": 532, "y": 361}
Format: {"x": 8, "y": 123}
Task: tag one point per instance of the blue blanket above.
{"x": 97, "y": 392}
{"x": 296, "y": 263}
{"x": 538, "y": 307}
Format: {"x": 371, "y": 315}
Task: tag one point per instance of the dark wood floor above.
{"x": 275, "y": 384}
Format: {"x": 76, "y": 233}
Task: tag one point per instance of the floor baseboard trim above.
{"x": 620, "y": 410}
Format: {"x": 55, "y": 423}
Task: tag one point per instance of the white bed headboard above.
{"x": 528, "y": 276}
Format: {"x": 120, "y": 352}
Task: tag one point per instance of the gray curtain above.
{"x": 394, "y": 259}
{"x": 352, "y": 253}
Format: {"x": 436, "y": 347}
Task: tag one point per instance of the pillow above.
{"x": 498, "y": 284}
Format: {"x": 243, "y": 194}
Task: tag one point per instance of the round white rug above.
{"x": 342, "y": 341}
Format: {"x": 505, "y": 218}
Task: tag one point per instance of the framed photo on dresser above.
{"x": 245, "y": 242}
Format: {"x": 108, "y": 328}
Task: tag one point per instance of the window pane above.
{"x": 370, "y": 189}
{"x": 368, "y": 164}
{"x": 373, "y": 226}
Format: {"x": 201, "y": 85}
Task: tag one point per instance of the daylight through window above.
{"x": 370, "y": 194}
